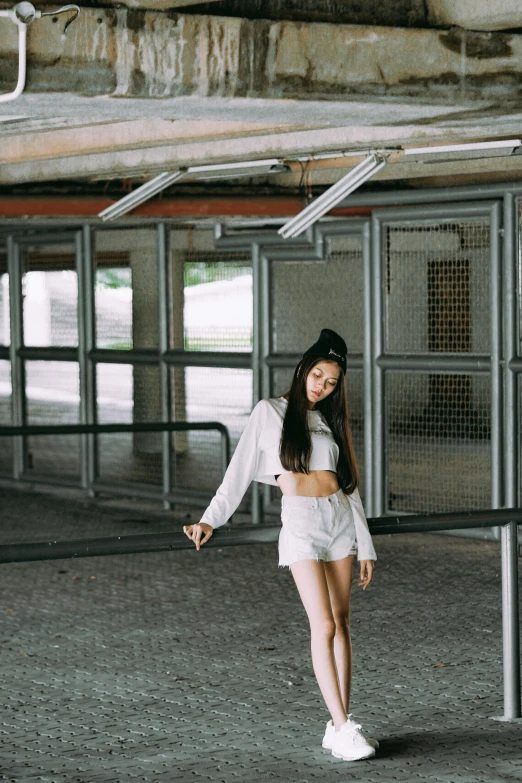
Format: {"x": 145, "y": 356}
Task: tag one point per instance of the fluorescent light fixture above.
{"x": 141, "y": 194}
{"x": 249, "y": 168}
{"x": 339, "y": 154}
{"x": 506, "y": 146}
{"x": 332, "y": 196}
{"x": 211, "y": 171}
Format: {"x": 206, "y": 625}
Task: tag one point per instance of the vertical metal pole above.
{"x": 510, "y": 309}
{"x": 496, "y": 357}
{"x": 257, "y": 368}
{"x": 367, "y": 368}
{"x": 377, "y": 309}
{"x": 268, "y": 341}
{"x": 82, "y": 358}
{"x": 267, "y": 324}
{"x": 88, "y": 333}
{"x": 510, "y": 621}
{"x": 168, "y": 461}
{"x": 14, "y": 263}
{"x": 509, "y": 533}
{"x": 257, "y": 309}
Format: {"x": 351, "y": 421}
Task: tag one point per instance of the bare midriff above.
{"x": 318, "y": 483}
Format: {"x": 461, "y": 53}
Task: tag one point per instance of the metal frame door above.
{"x": 19, "y": 352}
{"x": 383, "y": 361}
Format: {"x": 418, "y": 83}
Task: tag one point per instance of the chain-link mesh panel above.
{"x": 53, "y": 397}
{"x": 50, "y": 297}
{"x": 6, "y": 451}
{"x": 5, "y": 329}
{"x": 281, "y": 380}
{"x": 217, "y": 302}
{"x": 436, "y": 285}
{"x": 113, "y": 306}
{"x": 129, "y": 394}
{"x": 126, "y": 289}
{"x": 437, "y": 447}
{"x": 309, "y": 296}
{"x": 208, "y": 394}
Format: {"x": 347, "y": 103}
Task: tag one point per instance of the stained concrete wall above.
{"x": 134, "y": 53}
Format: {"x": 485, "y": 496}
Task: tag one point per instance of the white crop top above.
{"x": 325, "y": 451}
{"x": 256, "y": 458}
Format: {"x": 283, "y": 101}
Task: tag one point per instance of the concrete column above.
{"x": 182, "y": 241}
{"x": 145, "y": 334}
{"x": 179, "y": 401}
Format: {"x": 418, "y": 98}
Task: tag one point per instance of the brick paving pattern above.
{"x": 195, "y": 666}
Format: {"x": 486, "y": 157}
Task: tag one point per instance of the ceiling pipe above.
{"x": 23, "y": 15}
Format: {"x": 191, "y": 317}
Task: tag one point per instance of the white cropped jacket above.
{"x": 256, "y": 458}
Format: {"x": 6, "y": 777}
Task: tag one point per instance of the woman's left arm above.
{"x": 365, "y": 546}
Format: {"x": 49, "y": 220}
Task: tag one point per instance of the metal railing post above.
{"x": 89, "y": 328}
{"x": 367, "y": 369}
{"x": 257, "y": 366}
{"x": 14, "y": 268}
{"x": 377, "y": 390}
{"x": 168, "y": 458}
{"x": 510, "y": 621}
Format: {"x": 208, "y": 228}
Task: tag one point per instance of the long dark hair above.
{"x": 295, "y": 447}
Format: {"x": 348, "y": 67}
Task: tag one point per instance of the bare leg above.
{"x": 339, "y": 579}
{"x": 310, "y": 578}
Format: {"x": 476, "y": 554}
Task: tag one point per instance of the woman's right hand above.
{"x": 194, "y": 532}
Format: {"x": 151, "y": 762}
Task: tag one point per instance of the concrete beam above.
{"x": 122, "y": 52}
{"x": 146, "y": 5}
{"x": 117, "y": 152}
{"x": 62, "y": 142}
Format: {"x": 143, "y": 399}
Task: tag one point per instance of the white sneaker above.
{"x": 330, "y": 732}
{"x": 350, "y": 744}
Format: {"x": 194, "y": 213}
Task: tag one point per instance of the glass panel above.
{"x": 126, "y": 289}
{"x": 6, "y": 453}
{"x": 5, "y": 330}
{"x": 128, "y": 394}
{"x": 217, "y": 303}
{"x": 208, "y": 394}
{"x": 436, "y": 287}
{"x": 50, "y": 296}
{"x": 53, "y": 397}
{"x": 437, "y": 441}
{"x": 307, "y": 296}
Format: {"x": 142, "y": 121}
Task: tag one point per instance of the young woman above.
{"x": 302, "y": 442}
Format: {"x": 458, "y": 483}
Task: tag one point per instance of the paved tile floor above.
{"x": 195, "y": 666}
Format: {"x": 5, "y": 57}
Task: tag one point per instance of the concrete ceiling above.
{"x": 129, "y": 92}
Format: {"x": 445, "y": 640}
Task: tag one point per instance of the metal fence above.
{"x": 426, "y": 294}
{"x": 101, "y": 326}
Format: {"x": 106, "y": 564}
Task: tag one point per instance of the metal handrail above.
{"x": 245, "y": 534}
{"x": 103, "y": 429}
{"x": 507, "y": 519}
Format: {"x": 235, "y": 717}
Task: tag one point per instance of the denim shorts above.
{"x": 316, "y": 528}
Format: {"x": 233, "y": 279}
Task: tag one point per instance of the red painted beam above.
{"x": 191, "y": 207}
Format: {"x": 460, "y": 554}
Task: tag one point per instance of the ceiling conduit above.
{"x": 23, "y": 15}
